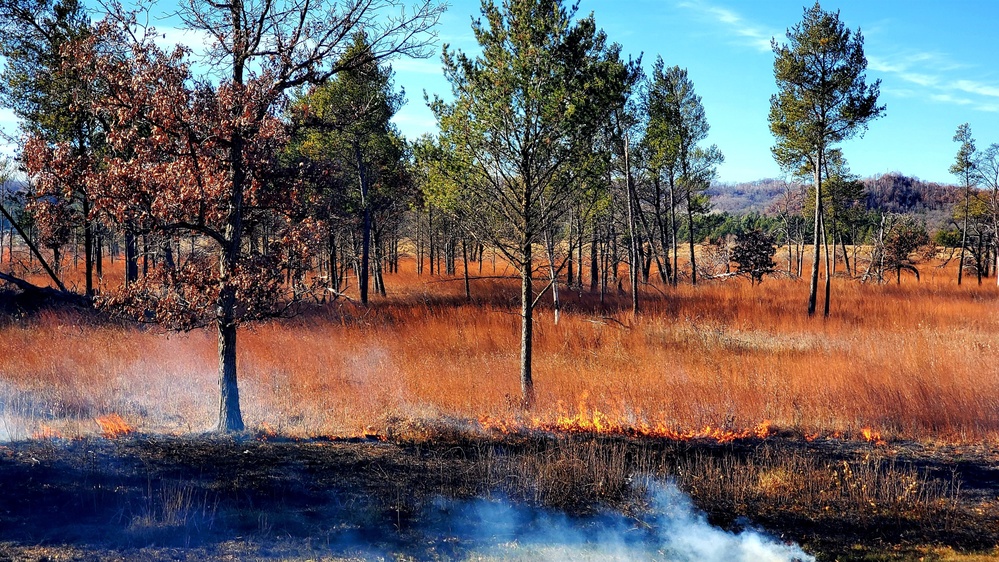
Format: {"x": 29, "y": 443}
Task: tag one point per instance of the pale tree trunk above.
{"x": 995, "y": 262}
{"x": 553, "y": 273}
{"x": 790, "y": 256}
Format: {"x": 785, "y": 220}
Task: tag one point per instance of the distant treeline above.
{"x": 894, "y": 192}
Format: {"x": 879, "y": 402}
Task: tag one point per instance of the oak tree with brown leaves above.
{"x": 201, "y": 157}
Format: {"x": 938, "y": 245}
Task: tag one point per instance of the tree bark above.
{"x": 813, "y": 287}
{"x": 230, "y": 416}
{"x": 464, "y": 259}
{"x": 594, "y": 265}
{"x": 673, "y": 230}
{"x": 362, "y": 276}
{"x": 88, "y": 247}
{"x": 829, "y": 268}
{"x": 526, "y": 328}
{"x": 131, "y": 259}
{"x": 633, "y": 267}
{"x": 964, "y": 231}
{"x": 690, "y": 227}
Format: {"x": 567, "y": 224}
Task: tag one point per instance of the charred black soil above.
{"x": 254, "y": 496}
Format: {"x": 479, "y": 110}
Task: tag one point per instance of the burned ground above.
{"x": 264, "y": 496}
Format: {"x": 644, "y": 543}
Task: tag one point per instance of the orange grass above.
{"x": 914, "y": 360}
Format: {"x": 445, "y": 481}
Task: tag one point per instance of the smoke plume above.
{"x": 672, "y": 530}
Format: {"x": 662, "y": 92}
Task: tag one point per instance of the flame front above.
{"x": 872, "y": 436}
{"x": 113, "y": 426}
{"x": 592, "y": 420}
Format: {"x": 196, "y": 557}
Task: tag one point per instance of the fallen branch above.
{"x": 40, "y": 294}
{"x": 33, "y": 248}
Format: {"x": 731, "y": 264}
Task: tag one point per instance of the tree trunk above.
{"x": 230, "y": 417}
{"x": 690, "y": 226}
{"x": 667, "y": 275}
{"x": 526, "y": 329}
{"x": 131, "y": 259}
{"x": 829, "y": 269}
{"x": 362, "y": 276}
{"x": 568, "y": 260}
{"x": 379, "y": 262}
{"x": 594, "y": 265}
{"x": 846, "y": 256}
{"x": 464, "y": 259}
{"x": 633, "y": 267}
{"x": 964, "y": 231}
{"x": 673, "y": 230}
{"x": 88, "y": 247}
{"x": 168, "y": 261}
{"x": 813, "y": 287}
{"x": 553, "y": 274}
{"x": 790, "y": 255}
{"x": 431, "y": 243}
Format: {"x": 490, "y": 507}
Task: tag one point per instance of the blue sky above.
{"x": 937, "y": 61}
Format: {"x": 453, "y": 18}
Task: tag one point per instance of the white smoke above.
{"x": 673, "y": 530}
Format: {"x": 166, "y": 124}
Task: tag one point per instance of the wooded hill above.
{"x": 893, "y": 192}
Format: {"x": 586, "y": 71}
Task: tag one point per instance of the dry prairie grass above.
{"x": 911, "y": 361}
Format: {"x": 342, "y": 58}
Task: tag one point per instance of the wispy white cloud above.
{"x": 939, "y": 79}
{"x": 919, "y": 78}
{"x": 750, "y": 34}
{"x": 974, "y": 87}
{"x": 947, "y": 98}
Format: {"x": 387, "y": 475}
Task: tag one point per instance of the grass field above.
{"x": 911, "y": 361}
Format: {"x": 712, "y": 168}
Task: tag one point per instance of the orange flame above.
{"x": 46, "y": 432}
{"x": 872, "y": 436}
{"x": 592, "y": 420}
{"x": 113, "y": 426}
